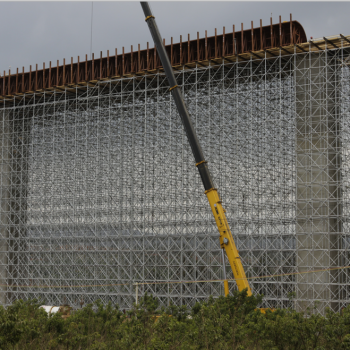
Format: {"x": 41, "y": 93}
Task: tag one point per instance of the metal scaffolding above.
{"x": 99, "y": 190}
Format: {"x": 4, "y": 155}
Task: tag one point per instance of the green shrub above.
{"x": 232, "y": 322}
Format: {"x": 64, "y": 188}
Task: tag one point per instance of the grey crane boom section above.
{"x": 178, "y": 98}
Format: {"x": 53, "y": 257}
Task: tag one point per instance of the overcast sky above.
{"x": 37, "y": 32}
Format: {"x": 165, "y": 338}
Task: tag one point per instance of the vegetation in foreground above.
{"x": 224, "y": 323}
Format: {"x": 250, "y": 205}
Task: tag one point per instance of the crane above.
{"x": 226, "y": 240}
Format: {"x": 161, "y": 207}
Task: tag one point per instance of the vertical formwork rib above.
{"x": 98, "y": 189}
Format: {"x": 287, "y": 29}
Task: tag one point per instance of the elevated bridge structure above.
{"x": 99, "y": 191}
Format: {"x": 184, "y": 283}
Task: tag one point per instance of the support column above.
{"x": 5, "y": 183}
{"x": 318, "y": 195}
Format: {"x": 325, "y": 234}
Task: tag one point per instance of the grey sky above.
{"x": 37, "y": 32}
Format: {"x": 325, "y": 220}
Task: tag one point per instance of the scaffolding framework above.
{"x": 99, "y": 190}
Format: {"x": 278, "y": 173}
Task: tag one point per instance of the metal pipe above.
{"x": 227, "y": 291}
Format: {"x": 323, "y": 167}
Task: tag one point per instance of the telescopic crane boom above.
{"x": 226, "y": 239}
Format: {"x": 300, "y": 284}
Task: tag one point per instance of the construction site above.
{"x": 98, "y": 186}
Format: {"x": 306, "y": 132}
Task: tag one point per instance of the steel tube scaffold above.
{"x": 98, "y": 191}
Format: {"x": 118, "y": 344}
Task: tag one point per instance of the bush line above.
{"x": 231, "y": 322}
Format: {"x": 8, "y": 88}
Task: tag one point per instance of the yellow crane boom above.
{"x": 227, "y": 242}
